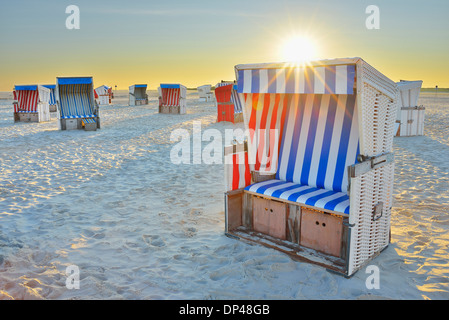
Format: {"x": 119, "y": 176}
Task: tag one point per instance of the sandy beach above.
{"x": 140, "y": 227}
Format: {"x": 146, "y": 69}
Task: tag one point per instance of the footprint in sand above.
{"x": 154, "y": 240}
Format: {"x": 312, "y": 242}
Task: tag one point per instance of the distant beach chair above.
{"x": 229, "y": 105}
{"x": 205, "y": 94}
{"x": 410, "y": 116}
{"x": 31, "y": 103}
{"x": 77, "y": 108}
{"x": 103, "y": 95}
{"x": 314, "y": 178}
{"x": 138, "y": 95}
{"x": 172, "y": 98}
{"x": 52, "y": 102}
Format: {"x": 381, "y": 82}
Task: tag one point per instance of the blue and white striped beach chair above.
{"x": 319, "y": 150}
{"x": 52, "y": 102}
{"x": 76, "y": 102}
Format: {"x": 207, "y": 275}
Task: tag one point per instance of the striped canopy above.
{"x": 330, "y": 79}
{"x": 25, "y": 88}
{"x": 170, "y": 86}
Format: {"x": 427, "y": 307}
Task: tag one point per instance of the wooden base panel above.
{"x": 295, "y": 251}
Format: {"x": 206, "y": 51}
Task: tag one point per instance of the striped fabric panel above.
{"x": 238, "y": 171}
{"x": 303, "y": 194}
{"x": 75, "y": 101}
{"x": 52, "y": 97}
{"x": 320, "y": 140}
{"x": 223, "y": 93}
{"x": 170, "y": 97}
{"x": 319, "y": 80}
{"x": 266, "y": 114}
{"x": 235, "y": 99}
{"x": 27, "y": 100}
{"x": 89, "y": 120}
{"x": 78, "y": 117}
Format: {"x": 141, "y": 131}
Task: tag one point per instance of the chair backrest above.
{"x": 171, "y": 94}
{"x": 223, "y": 93}
{"x": 320, "y": 140}
{"x": 76, "y": 99}
{"x": 27, "y": 98}
{"x": 235, "y": 99}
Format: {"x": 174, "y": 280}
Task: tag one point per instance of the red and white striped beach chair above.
{"x": 31, "y": 103}
{"x": 410, "y": 116}
{"x": 319, "y": 154}
{"x": 138, "y": 95}
{"x": 229, "y": 106}
{"x": 172, "y": 98}
{"x": 77, "y": 108}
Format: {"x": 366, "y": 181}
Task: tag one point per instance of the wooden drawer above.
{"x": 270, "y": 217}
{"x": 174, "y": 110}
{"x": 321, "y": 231}
{"x": 71, "y": 124}
{"x": 164, "y": 109}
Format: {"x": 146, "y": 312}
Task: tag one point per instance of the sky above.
{"x": 196, "y": 42}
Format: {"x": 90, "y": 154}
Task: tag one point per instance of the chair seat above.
{"x": 303, "y": 194}
{"x": 89, "y": 120}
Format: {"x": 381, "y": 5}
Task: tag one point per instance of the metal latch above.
{"x": 378, "y": 211}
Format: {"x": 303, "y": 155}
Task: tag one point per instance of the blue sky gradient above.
{"x": 199, "y": 42}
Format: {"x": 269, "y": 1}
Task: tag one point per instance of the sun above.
{"x": 298, "y": 50}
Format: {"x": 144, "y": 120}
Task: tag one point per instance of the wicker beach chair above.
{"x": 103, "y": 95}
{"x": 77, "y": 108}
{"x": 31, "y": 103}
{"x": 52, "y": 102}
{"x": 204, "y": 93}
{"x": 138, "y": 95}
{"x": 172, "y": 98}
{"x": 410, "y": 116}
{"x": 314, "y": 178}
{"x": 229, "y": 105}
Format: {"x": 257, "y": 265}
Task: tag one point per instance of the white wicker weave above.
{"x": 378, "y": 98}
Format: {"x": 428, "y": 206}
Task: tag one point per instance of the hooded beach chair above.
{"x": 52, "y": 102}
{"x": 229, "y": 106}
{"x": 172, "y": 98}
{"x": 77, "y": 108}
{"x": 31, "y": 103}
{"x": 103, "y": 95}
{"x": 204, "y": 93}
{"x": 314, "y": 178}
{"x": 410, "y": 116}
{"x": 138, "y": 95}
